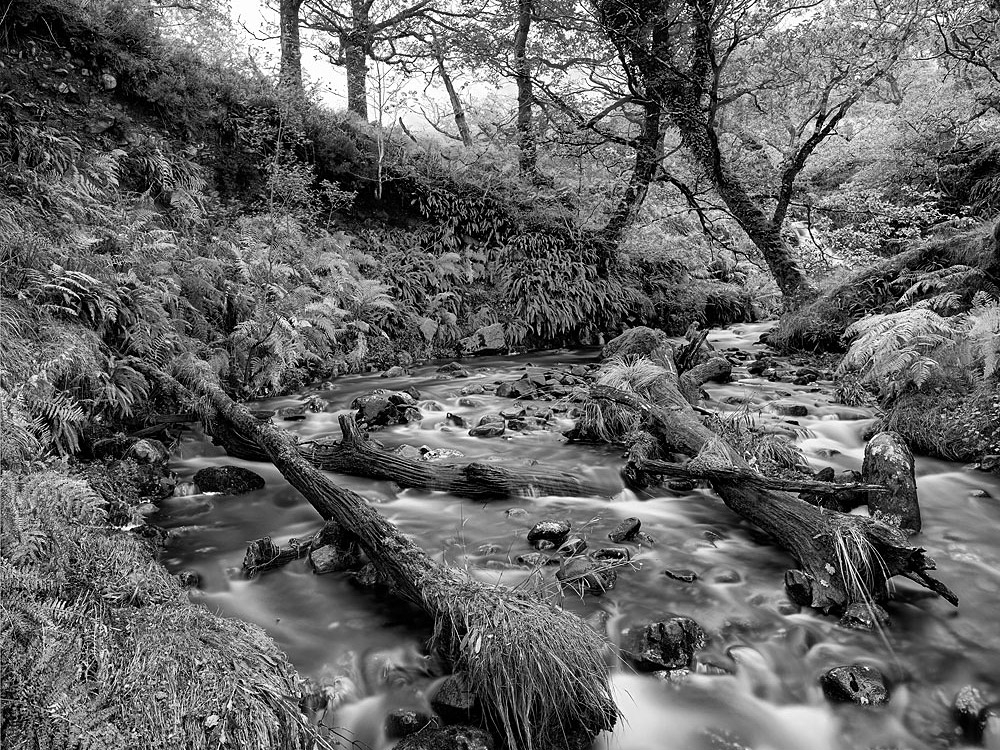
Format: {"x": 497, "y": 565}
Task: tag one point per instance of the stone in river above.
{"x": 549, "y": 531}
{"x": 681, "y": 574}
{"x": 670, "y": 644}
{"x": 625, "y": 531}
{"x": 855, "y": 683}
{"x": 228, "y": 480}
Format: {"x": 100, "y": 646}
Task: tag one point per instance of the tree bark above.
{"x": 823, "y": 542}
{"x": 528, "y": 160}
{"x": 356, "y": 44}
{"x": 456, "y": 101}
{"x": 290, "y": 76}
{"x": 356, "y": 455}
{"x": 647, "y": 159}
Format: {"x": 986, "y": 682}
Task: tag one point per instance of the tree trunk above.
{"x": 537, "y": 669}
{"x": 356, "y": 44}
{"x": 643, "y": 169}
{"x": 456, "y": 102}
{"x": 290, "y": 77}
{"x": 846, "y": 558}
{"x": 528, "y": 160}
{"x": 700, "y": 139}
{"x": 356, "y": 455}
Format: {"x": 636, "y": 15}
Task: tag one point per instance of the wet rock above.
{"x": 980, "y": 494}
{"x": 554, "y": 532}
{"x": 536, "y": 560}
{"x": 670, "y": 644}
{"x": 471, "y": 403}
{"x": 727, "y": 575}
{"x": 369, "y": 577}
{"x": 587, "y": 576}
{"x": 545, "y": 544}
{"x": 579, "y": 371}
{"x": 862, "y": 616}
{"x": 790, "y": 410}
{"x": 889, "y": 462}
{"x": 515, "y": 512}
{"x": 291, "y": 413}
{"x": 488, "y": 429}
{"x": 438, "y": 454}
{"x": 966, "y": 707}
{"x": 638, "y": 341}
{"x": 455, "y": 419}
{"x": 855, "y": 683}
{"x": 989, "y": 463}
{"x": 394, "y": 372}
{"x": 408, "y": 451}
{"x": 512, "y": 413}
{"x": 108, "y": 82}
{"x": 331, "y": 559}
{"x": 615, "y": 554}
{"x": 682, "y": 485}
{"x": 826, "y": 474}
{"x": 383, "y": 408}
{"x": 454, "y": 700}
{"x": 403, "y": 722}
{"x": 188, "y": 578}
{"x": 625, "y": 531}
{"x": 682, "y": 574}
{"x": 490, "y": 338}
{"x": 473, "y": 390}
{"x": 228, "y": 480}
{"x": 642, "y": 538}
{"x": 448, "y": 738}
{"x": 572, "y": 546}
{"x": 798, "y": 586}
{"x": 757, "y": 367}
{"x": 450, "y": 367}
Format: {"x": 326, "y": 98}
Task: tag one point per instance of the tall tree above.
{"x": 364, "y": 31}
{"x": 457, "y": 107}
{"x": 525, "y": 96}
{"x": 290, "y": 75}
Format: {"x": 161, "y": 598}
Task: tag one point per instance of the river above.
{"x": 372, "y": 652}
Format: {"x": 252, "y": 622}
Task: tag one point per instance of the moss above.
{"x": 949, "y": 424}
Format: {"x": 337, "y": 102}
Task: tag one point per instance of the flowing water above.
{"x": 371, "y": 652}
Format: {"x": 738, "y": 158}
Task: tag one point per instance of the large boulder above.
{"x": 889, "y": 461}
{"x": 382, "y": 408}
{"x": 228, "y": 480}
{"x": 487, "y": 339}
{"x": 670, "y": 644}
{"x": 635, "y": 342}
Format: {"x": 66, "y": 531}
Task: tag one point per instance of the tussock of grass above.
{"x": 771, "y": 455}
{"x": 609, "y": 422}
{"x": 101, "y": 647}
{"x": 536, "y": 668}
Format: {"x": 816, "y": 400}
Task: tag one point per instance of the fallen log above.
{"x": 844, "y": 558}
{"x": 758, "y": 480}
{"x": 355, "y": 454}
{"x": 538, "y": 669}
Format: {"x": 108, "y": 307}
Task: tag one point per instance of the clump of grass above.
{"x": 862, "y": 567}
{"x": 772, "y": 455}
{"x": 536, "y": 668}
{"x": 604, "y": 421}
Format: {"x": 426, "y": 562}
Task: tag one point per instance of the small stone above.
{"x": 330, "y": 559}
{"x": 545, "y": 544}
{"x": 292, "y": 413}
{"x": 642, "y": 538}
{"x": 536, "y": 560}
{"x": 727, "y": 576}
{"x": 394, "y": 372}
{"x": 862, "y": 616}
{"x": 455, "y": 419}
{"x": 965, "y": 708}
{"x": 488, "y": 430}
{"x": 855, "y": 683}
{"x": 798, "y": 586}
{"x": 682, "y": 574}
{"x": 625, "y": 531}
{"x": 682, "y": 485}
{"x": 586, "y": 576}
{"x": 473, "y": 390}
{"x": 108, "y": 81}
{"x": 454, "y": 701}
{"x": 515, "y": 513}
{"x": 188, "y": 578}
{"x": 616, "y": 554}
{"x": 826, "y": 474}
{"x": 549, "y": 531}
{"x": 472, "y": 403}
{"x": 980, "y": 494}
{"x": 572, "y": 546}
{"x": 403, "y": 722}
{"x": 670, "y": 644}
{"x": 579, "y": 371}
{"x": 790, "y": 410}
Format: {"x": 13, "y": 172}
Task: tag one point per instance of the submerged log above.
{"x": 845, "y": 558}
{"x": 538, "y": 669}
{"x": 356, "y": 455}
